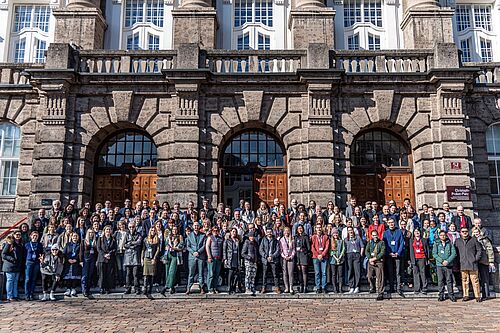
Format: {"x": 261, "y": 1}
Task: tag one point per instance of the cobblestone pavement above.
{"x": 248, "y": 314}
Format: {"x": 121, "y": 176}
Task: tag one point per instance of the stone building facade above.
{"x": 319, "y": 107}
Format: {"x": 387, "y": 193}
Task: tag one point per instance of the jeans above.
{"x": 196, "y": 266}
{"x": 213, "y": 273}
{"x": 120, "y": 274}
{"x": 12, "y": 281}
{"x": 32, "y": 271}
{"x": 87, "y": 272}
{"x": 273, "y": 265}
{"x": 320, "y": 273}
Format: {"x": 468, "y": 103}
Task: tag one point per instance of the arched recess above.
{"x": 252, "y": 167}
{"x": 381, "y": 167}
{"x": 125, "y": 166}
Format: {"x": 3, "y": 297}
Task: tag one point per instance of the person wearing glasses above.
{"x": 52, "y": 266}
{"x": 469, "y": 250}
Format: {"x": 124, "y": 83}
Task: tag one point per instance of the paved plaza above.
{"x": 246, "y": 314}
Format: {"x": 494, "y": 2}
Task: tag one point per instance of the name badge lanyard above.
{"x": 33, "y": 250}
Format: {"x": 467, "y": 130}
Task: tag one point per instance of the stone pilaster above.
{"x": 186, "y": 147}
{"x": 425, "y": 24}
{"x": 451, "y": 148}
{"x": 81, "y": 23}
{"x": 195, "y": 22}
{"x": 312, "y": 22}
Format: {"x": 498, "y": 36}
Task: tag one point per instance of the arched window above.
{"x": 10, "y": 143}
{"x": 128, "y": 149}
{"x": 253, "y": 148}
{"x": 379, "y": 148}
{"x": 493, "y": 149}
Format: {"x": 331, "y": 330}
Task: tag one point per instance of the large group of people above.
{"x": 147, "y": 245}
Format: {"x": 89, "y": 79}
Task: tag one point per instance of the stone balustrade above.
{"x": 115, "y": 62}
{"x": 13, "y": 73}
{"x": 489, "y": 72}
{"x": 383, "y": 61}
{"x": 252, "y": 61}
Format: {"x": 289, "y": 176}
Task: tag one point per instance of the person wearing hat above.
{"x": 213, "y": 246}
{"x": 250, "y": 254}
{"x": 337, "y": 256}
{"x": 51, "y": 268}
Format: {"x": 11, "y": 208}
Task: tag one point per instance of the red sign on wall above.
{"x": 456, "y": 165}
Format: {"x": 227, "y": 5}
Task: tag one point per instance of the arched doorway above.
{"x": 381, "y": 168}
{"x": 253, "y": 168}
{"x": 126, "y": 168}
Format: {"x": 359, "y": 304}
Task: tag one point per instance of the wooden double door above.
{"x": 383, "y": 186}
{"x": 118, "y": 187}
{"x": 253, "y": 186}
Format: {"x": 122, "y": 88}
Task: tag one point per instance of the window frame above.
{"x": 149, "y": 22}
{"x": 493, "y": 156}
{"x": 10, "y": 159}
{"x": 253, "y": 24}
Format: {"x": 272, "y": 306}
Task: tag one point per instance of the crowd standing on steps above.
{"x": 153, "y": 245}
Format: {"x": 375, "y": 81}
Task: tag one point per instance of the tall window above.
{"x": 253, "y": 24}
{"x": 368, "y": 11}
{"x": 10, "y": 143}
{"x": 353, "y": 42}
{"x": 143, "y": 24}
{"x": 30, "y": 33}
{"x": 363, "y": 24}
{"x": 493, "y": 149}
{"x": 474, "y": 32}
{"x": 465, "y": 47}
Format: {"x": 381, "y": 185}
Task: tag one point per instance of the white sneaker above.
{"x": 73, "y": 292}
{"x": 248, "y": 292}
{"x": 45, "y": 297}
{"x": 350, "y": 291}
{"x": 356, "y": 291}
{"x": 52, "y": 297}
{"x": 68, "y": 292}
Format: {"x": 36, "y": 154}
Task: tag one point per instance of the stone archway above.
{"x": 381, "y": 167}
{"x": 253, "y": 168}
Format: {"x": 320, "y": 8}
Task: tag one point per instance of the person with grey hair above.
{"x": 132, "y": 258}
{"x": 478, "y": 223}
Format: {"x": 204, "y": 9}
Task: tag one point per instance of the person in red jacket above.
{"x": 319, "y": 248}
{"x": 376, "y": 225}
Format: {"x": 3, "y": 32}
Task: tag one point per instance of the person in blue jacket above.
{"x": 394, "y": 253}
{"x": 33, "y": 250}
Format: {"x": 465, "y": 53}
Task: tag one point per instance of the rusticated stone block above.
{"x": 278, "y": 109}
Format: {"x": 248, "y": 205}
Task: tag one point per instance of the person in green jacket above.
{"x": 444, "y": 253}
{"x": 375, "y": 251}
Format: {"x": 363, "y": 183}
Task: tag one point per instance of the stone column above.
{"x": 195, "y": 21}
{"x": 312, "y": 22}
{"x": 425, "y": 24}
{"x": 81, "y": 23}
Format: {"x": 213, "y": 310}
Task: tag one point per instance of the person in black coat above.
{"x": 12, "y": 256}
{"x": 419, "y": 258}
{"x": 469, "y": 250}
{"x": 106, "y": 248}
{"x": 302, "y": 254}
{"x": 461, "y": 220}
{"x": 269, "y": 251}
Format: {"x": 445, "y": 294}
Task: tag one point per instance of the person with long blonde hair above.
{"x": 150, "y": 254}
